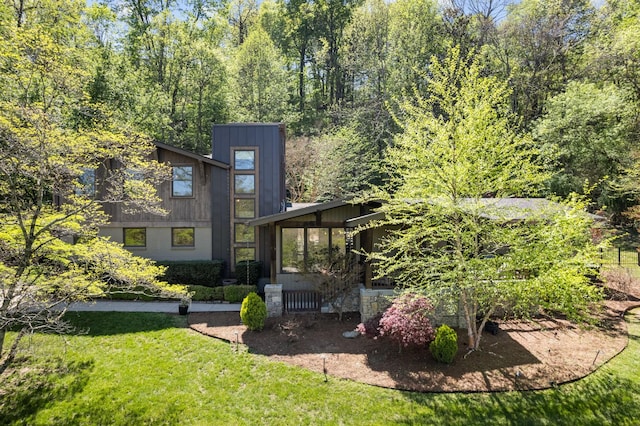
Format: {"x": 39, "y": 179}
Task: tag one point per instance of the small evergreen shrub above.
{"x": 371, "y": 327}
{"x": 248, "y": 271}
{"x": 407, "y": 322}
{"x": 237, "y": 293}
{"x": 198, "y": 272}
{"x": 253, "y": 312}
{"x": 445, "y": 346}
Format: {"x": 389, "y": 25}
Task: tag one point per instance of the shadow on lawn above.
{"x": 602, "y": 399}
{"x": 29, "y": 388}
{"x": 112, "y": 323}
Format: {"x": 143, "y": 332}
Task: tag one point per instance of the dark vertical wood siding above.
{"x": 196, "y": 209}
{"x": 270, "y": 141}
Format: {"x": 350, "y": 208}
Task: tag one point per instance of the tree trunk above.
{"x": 3, "y": 333}
{"x": 11, "y": 354}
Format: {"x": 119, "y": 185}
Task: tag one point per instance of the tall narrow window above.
{"x": 135, "y": 237}
{"x": 245, "y": 208}
{"x": 245, "y": 184}
{"x": 244, "y": 160}
{"x": 245, "y": 233}
{"x": 182, "y": 182}
{"x": 245, "y": 202}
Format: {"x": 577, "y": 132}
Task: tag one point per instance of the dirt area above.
{"x": 522, "y": 355}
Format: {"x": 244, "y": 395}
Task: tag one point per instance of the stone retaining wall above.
{"x": 372, "y": 302}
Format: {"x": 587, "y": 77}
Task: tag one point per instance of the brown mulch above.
{"x": 523, "y": 355}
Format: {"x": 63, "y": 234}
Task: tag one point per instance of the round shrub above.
{"x": 407, "y": 322}
{"x": 253, "y": 312}
{"x": 445, "y": 345}
{"x": 370, "y": 327}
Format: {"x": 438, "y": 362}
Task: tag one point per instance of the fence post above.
{"x": 273, "y": 299}
{"x": 619, "y": 256}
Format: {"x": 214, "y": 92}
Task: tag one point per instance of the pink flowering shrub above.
{"x": 407, "y": 322}
{"x": 371, "y": 327}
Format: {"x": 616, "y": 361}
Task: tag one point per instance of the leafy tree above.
{"x": 542, "y": 46}
{"x": 260, "y": 81}
{"x": 448, "y": 241}
{"x": 589, "y": 128}
{"x": 415, "y": 29}
{"x": 56, "y": 149}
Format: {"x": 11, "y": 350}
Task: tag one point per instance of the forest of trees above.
{"x": 336, "y": 71}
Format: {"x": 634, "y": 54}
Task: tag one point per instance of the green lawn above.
{"x": 150, "y": 369}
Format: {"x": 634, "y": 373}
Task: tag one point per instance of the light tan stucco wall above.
{"x": 159, "y": 244}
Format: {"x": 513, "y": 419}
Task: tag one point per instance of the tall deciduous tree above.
{"x": 590, "y": 129}
{"x": 446, "y": 239}
{"x": 55, "y": 146}
{"x": 545, "y": 39}
{"x": 260, "y": 80}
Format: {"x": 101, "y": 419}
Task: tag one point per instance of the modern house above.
{"x": 210, "y": 199}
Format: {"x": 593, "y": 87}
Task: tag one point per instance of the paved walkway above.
{"x": 168, "y": 307}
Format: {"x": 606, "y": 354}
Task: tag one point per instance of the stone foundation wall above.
{"x": 372, "y": 302}
{"x": 273, "y": 299}
{"x": 351, "y": 302}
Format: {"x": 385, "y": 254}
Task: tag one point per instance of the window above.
{"x": 244, "y": 233}
{"x": 245, "y": 253}
{"x": 245, "y": 208}
{"x": 87, "y": 183}
{"x": 182, "y": 183}
{"x": 135, "y": 237}
{"x": 308, "y": 248}
{"x": 244, "y": 184}
{"x": 244, "y": 160}
{"x": 245, "y": 202}
{"x": 183, "y": 237}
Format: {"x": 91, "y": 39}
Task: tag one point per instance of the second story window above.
{"x": 182, "y": 181}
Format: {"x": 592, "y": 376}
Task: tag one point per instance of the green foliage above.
{"x": 260, "y": 88}
{"x": 193, "y": 272}
{"x": 217, "y": 293}
{"x": 589, "y": 131}
{"x": 55, "y": 144}
{"x": 445, "y": 346}
{"x": 248, "y": 271}
{"x": 200, "y": 293}
{"x": 237, "y": 293}
{"x": 128, "y": 354}
{"x": 253, "y": 312}
{"x": 456, "y": 231}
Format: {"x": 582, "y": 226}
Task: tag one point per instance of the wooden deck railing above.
{"x": 301, "y": 301}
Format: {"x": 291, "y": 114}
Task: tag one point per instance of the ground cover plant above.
{"x": 148, "y": 368}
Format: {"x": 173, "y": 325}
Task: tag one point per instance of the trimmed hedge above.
{"x": 237, "y": 293}
{"x": 201, "y": 293}
{"x": 248, "y": 271}
{"x": 196, "y": 272}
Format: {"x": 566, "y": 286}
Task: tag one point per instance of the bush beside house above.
{"x": 197, "y": 272}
